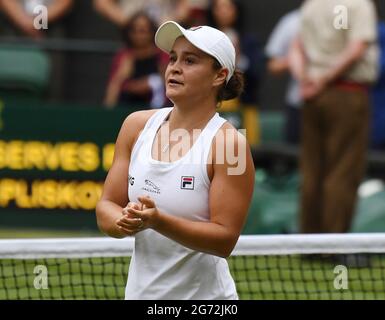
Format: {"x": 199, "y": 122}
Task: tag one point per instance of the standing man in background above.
{"x": 335, "y": 59}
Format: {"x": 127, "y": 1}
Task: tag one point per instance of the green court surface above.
{"x": 264, "y": 277}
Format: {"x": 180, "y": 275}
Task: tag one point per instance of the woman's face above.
{"x": 190, "y": 74}
{"x": 225, "y": 13}
{"x": 141, "y": 33}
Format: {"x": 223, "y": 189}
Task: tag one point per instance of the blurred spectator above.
{"x": 137, "y": 71}
{"x": 22, "y": 15}
{"x": 277, "y": 52}
{"x": 121, "y": 11}
{"x": 378, "y": 97}
{"x": 335, "y": 59}
{"x": 226, "y": 15}
{"x": 198, "y": 12}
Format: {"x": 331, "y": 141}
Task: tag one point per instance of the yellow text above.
{"x": 50, "y": 194}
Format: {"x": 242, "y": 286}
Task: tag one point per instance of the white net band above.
{"x": 255, "y": 245}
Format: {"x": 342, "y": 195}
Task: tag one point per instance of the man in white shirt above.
{"x": 277, "y": 52}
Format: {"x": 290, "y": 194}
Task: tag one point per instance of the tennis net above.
{"x": 279, "y": 267}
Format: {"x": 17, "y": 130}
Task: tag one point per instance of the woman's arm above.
{"x": 123, "y": 72}
{"x": 58, "y": 9}
{"x": 115, "y": 196}
{"x": 278, "y": 65}
{"x": 19, "y": 17}
{"x": 230, "y": 197}
{"x": 112, "y": 92}
{"x": 297, "y": 60}
{"x": 111, "y": 10}
{"x": 182, "y": 11}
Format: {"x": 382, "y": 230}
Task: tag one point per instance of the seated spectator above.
{"x": 121, "y": 11}
{"x": 137, "y": 71}
{"x": 198, "y": 12}
{"x": 22, "y": 15}
{"x": 226, "y": 15}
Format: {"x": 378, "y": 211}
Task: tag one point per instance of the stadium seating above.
{"x": 370, "y": 214}
{"x": 272, "y": 124}
{"x": 275, "y": 204}
{"x": 24, "y": 73}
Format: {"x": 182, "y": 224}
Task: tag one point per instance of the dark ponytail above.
{"x": 234, "y": 88}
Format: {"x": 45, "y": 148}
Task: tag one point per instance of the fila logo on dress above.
{"x": 187, "y": 183}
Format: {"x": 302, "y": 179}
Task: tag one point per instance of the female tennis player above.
{"x": 188, "y": 198}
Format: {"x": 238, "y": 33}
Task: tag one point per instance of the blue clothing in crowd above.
{"x": 378, "y": 97}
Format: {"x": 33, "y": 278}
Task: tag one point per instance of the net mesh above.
{"x": 303, "y": 267}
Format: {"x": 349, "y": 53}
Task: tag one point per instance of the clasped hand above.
{"x": 138, "y": 216}
{"x": 311, "y": 88}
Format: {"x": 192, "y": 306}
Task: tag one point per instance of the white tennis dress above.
{"x": 161, "y": 268}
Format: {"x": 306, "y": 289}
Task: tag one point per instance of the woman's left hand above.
{"x": 149, "y": 213}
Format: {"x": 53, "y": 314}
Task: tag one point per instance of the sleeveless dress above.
{"x": 160, "y": 268}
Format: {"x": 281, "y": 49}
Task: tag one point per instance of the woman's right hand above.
{"x": 128, "y": 224}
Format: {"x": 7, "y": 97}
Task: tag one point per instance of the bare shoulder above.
{"x": 135, "y": 122}
{"x": 228, "y": 127}
{"x": 132, "y": 127}
{"x": 138, "y": 119}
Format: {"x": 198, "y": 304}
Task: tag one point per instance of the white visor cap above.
{"x": 210, "y": 40}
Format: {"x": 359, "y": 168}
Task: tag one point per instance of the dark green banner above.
{"x": 53, "y": 161}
